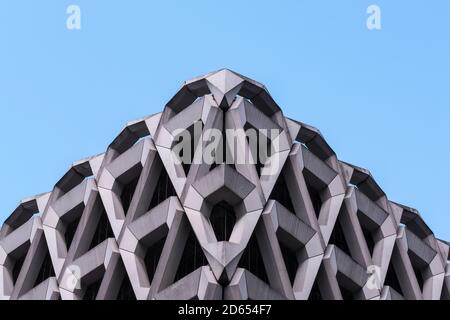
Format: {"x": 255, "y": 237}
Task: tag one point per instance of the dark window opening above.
{"x": 70, "y": 231}
{"x": 260, "y": 157}
{"x": 346, "y": 294}
{"x": 127, "y": 194}
{"x": 419, "y": 276}
{"x": 92, "y": 290}
{"x": 290, "y": 260}
{"x": 164, "y": 189}
{"x": 258, "y": 167}
{"x": 252, "y": 261}
{"x": 126, "y": 290}
{"x": 280, "y": 193}
{"x": 17, "y": 267}
{"x": 192, "y": 258}
{"x": 187, "y": 164}
{"x": 369, "y": 238}
{"x": 418, "y": 266}
{"x": 314, "y": 191}
{"x": 103, "y": 231}
{"x": 222, "y": 220}
{"x": 445, "y": 295}
{"x": 152, "y": 258}
{"x": 338, "y": 238}
{"x": 315, "y": 294}
{"x": 46, "y": 270}
{"x": 223, "y": 143}
{"x": 193, "y": 143}
{"x": 392, "y": 279}
{"x": 260, "y": 161}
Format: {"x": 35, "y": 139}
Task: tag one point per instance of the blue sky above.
{"x": 381, "y": 98}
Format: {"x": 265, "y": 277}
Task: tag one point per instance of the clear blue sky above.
{"x": 381, "y": 98}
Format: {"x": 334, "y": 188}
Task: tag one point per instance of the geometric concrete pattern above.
{"x": 133, "y": 223}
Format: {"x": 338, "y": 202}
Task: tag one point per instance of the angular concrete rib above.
{"x": 295, "y": 223}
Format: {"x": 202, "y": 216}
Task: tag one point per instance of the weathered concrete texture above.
{"x": 299, "y": 224}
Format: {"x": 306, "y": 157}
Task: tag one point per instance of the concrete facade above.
{"x": 133, "y": 223}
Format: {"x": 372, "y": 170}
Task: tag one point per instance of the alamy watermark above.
{"x": 214, "y": 146}
{"x": 374, "y": 19}
{"x": 374, "y": 279}
{"x": 72, "y": 278}
{"x": 73, "y": 21}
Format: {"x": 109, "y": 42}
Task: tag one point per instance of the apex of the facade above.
{"x": 224, "y": 85}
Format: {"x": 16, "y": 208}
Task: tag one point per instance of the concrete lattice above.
{"x": 135, "y": 223}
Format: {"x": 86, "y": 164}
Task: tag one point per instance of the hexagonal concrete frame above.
{"x": 296, "y": 223}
